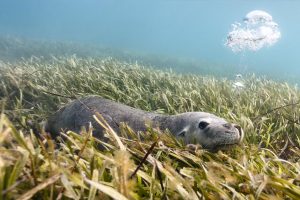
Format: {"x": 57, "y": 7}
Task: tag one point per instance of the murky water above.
{"x": 182, "y": 33}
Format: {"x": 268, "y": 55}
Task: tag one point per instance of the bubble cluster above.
{"x": 257, "y": 30}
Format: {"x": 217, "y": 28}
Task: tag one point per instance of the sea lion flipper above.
{"x": 98, "y": 129}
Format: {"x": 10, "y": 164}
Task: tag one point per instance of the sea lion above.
{"x": 202, "y": 128}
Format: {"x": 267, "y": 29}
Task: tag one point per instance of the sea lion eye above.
{"x": 203, "y": 125}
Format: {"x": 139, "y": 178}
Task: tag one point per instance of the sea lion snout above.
{"x": 233, "y": 128}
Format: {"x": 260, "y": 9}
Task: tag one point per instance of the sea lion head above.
{"x": 208, "y": 130}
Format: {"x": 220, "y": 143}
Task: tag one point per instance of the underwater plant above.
{"x": 33, "y": 166}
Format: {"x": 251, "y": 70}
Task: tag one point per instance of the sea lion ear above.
{"x": 181, "y": 134}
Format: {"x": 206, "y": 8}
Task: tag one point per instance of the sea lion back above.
{"x": 80, "y": 113}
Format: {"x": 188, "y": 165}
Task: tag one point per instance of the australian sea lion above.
{"x": 202, "y": 128}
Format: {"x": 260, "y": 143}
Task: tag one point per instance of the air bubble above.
{"x": 256, "y": 31}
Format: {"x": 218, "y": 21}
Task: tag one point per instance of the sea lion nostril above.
{"x": 228, "y": 125}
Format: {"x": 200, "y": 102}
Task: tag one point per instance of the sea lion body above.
{"x": 194, "y": 127}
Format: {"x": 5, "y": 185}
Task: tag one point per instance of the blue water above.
{"x": 186, "y": 28}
